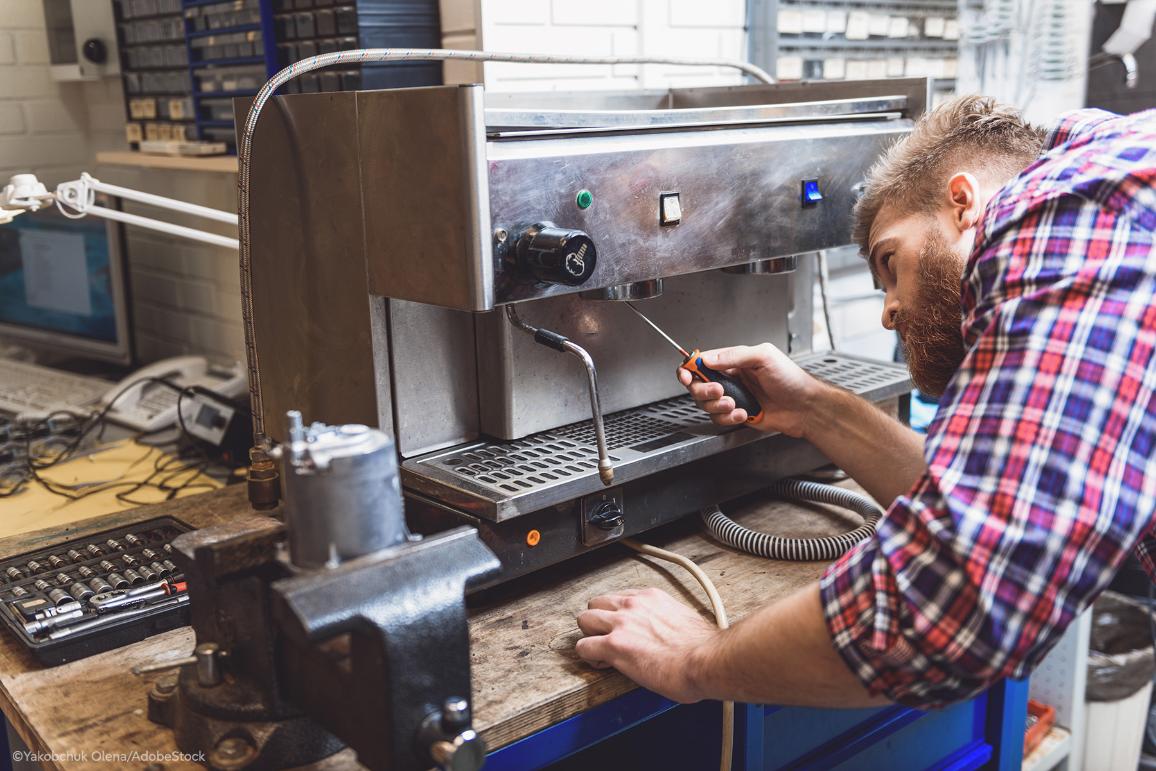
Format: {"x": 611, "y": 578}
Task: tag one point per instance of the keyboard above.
{"x": 30, "y": 389}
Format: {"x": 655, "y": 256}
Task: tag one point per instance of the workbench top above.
{"x": 526, "y": 675}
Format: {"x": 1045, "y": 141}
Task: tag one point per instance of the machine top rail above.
{"x": 502, "y": 120}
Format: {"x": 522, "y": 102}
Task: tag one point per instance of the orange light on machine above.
{"x": 533, "y": 538}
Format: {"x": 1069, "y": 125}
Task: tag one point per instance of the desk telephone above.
{"x": 151, "y": 406}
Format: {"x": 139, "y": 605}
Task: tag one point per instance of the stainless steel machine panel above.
{"x": 433, "y": 408}
{"x": 427, "y": 233}
{"x": 635, "y": 366}
{"x": 740, "y": 192}
{"x": 445, "y": 199}
{"x": 502, "y": 480}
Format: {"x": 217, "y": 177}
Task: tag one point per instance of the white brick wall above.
{"x": 668, "y": 28}
{"x": 47, "y": 127}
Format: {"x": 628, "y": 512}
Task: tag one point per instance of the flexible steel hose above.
{"x": 363, "y": 56}
{"x": 776, "y": 547}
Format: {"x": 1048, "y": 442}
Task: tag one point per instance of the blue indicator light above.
{"x": 811, "y": 192}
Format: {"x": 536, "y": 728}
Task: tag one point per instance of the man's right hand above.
{"x": 781, "y": 386}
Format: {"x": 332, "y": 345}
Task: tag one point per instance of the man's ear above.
{"x": 964, "y": 200}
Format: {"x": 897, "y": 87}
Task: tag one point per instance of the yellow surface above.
{"x": 36, "y": 508}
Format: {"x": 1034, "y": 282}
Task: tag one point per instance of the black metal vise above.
{"x": 368, "y": 650}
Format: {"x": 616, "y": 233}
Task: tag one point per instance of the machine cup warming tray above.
{"x": 499, "y": 480}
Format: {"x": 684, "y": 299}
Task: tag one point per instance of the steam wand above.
{"x": 560, "y": 343}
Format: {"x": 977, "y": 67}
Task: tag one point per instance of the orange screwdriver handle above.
{"x": 731, "y": 386}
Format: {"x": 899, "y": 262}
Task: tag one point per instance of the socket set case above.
{"x": 117, "y": 560}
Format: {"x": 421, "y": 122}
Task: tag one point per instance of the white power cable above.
{"x": 824, "y": 295}
{"x": 720, "y": 617}
{"x": 375, "y": 55}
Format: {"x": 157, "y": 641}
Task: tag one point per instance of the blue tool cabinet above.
{"x": 183, "y": 61}
{"x": 642, "y": 730}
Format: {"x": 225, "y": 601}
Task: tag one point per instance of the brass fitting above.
{"x": 264, "y": 480}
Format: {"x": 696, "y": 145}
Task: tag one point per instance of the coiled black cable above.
{"x": 777, "y": 547}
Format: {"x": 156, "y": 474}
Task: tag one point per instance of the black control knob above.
{"x": 607, "y": 516}
{"x": 556, "y": 255}
{"x": 95, "y": 50}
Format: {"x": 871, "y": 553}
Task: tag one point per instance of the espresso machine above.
{"x": 450, "y": 266}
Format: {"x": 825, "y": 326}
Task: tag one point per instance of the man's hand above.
{"x": 650, "y": 637}
{"x": 780, "y": 385}
{"x": 781, "y": 654}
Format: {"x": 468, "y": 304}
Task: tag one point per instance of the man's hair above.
{"x": 976, "y": 134}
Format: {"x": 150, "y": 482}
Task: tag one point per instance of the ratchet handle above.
{"x": 731, "y": 386}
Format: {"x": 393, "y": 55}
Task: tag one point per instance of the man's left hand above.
{"x": 649, "y": 636}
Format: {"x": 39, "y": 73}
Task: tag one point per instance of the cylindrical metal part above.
{"x": 132, "y": 539}
{"x": 639, "y": 290}
{"x": 99, "y": 585}
{"x": 168, "y": 547}
{"x": 169, "y": 566}
{"x": 56, "y": 562}
{"x": 117, "y": 580}
{"x": 63, "y": 579}
{"x": 341, "y": 491}
{"x": 148, "y": 573}
{"x": 19, "y": 591}
{"x": 107, "y": 566}
{"x": 159, "y": 569}
{"x": 59, "y": 596}
{"x": 133, "y": 577}
{"x": 148, "y": 554}
{"x": 14, "y": 573}
{"x": 85, "y": 571}
{"x": 80, "y": 591}
{"x": 129, "y": 560}
{"x": 114, "y": 544}
{"x": 772, "y": 267}
{"x": 208, "y": 657}
{"x": 76, "y": 556}
{"x": 42, "y": 585}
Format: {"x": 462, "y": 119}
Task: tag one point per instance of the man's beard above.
{"x": 930, "y": 333}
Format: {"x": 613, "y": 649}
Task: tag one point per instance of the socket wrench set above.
{"x": 96, "y": 593}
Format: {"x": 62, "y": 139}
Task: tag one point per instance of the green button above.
{"x": 584, "y": 199}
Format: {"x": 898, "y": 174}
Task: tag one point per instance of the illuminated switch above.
{"x": 669, "y": 209}
{"x": 812, "y": 195}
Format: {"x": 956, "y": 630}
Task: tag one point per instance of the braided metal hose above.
{"x": 777, "y": 547}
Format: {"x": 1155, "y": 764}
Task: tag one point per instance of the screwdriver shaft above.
{"x": 657, "y": 329}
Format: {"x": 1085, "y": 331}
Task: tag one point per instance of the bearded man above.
{"x": 1020, "y": 272}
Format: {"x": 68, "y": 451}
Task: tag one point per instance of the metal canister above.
{"x": 342, "y": 493}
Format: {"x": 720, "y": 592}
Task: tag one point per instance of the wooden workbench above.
{"x": 526, "y": 675}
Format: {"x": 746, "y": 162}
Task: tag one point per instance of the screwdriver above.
{"x": 694, "y": 364}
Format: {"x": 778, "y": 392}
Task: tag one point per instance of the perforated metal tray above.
{"x": 499, "y": 480}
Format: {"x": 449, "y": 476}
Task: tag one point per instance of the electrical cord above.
{"x": 824, "y": 294}
{"x": 776, "y": 547}
{"x": 163, "y": 472}
{"x": 720, "y": 617}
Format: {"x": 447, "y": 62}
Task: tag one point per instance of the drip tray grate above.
{"x": 511, "y": 477}
{"x": 570, "y": 451}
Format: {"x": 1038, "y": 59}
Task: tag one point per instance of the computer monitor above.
{"x": 63, "y": 288}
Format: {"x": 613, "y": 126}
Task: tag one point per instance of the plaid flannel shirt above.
{"x": 1041, "y": 476}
